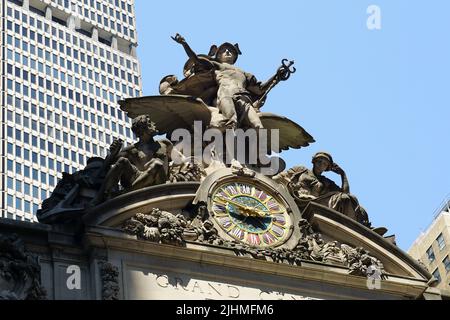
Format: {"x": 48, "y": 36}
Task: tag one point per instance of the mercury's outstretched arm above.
{"x": 179, "y": 39}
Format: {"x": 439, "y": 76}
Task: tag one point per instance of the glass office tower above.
{"x": 64, "y": 65}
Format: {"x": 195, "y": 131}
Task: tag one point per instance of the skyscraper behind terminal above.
{"x": 64, "y": 66}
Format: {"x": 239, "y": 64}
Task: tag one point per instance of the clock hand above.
{"x": 237, "y": 204}
{"x": 258, "y": 213}
{"x": 243, "y": 209}
{"x": 247, "y": 211}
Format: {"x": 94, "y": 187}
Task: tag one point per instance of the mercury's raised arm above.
{"x": 179, "y": 39}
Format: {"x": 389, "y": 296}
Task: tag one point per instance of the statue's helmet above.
{"x": 214, "y": 51}
{"x": 323, "y": 155}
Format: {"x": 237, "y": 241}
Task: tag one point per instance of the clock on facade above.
{"x": 251, "y": 214}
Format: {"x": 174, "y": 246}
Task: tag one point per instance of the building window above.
{"x": 10, "y": 201}
{"x": 430, "y": 254}
{"x": 437, "y": 275}
{"x": 19, "y": 204}
{"x": 441, "y": 242}
{"x": 10, "y": 183}
{"x": 446, "y": 263}
{"x": 27, "y": 207}
{"x": 10, "y": 165}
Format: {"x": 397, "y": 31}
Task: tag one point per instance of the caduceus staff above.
{"x": 283, "y": 73}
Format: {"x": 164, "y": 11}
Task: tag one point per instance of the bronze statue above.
{"x": 217, "y": 94}
{"x": 140, "y": 165}
{"x": 310, "y": 185}
{"x": 214, "y": 93}
{"x": 73, "y": 193}
{"x": 236, "y": 90}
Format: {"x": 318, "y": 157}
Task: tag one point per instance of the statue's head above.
{"x": 226, "y": 53}
{"x": 94, "y": 163}
{"x": 143, "y": 125}
{"x": 322, "y": 161}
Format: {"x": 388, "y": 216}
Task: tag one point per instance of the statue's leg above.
{"x": 218, "y": 120}
{"x": 255, "y": 123}
{"x": 122, "y": 167}
{"x": 155, "y": 174}
{"x": 362, "y": 216}
{"x": 360, "y": 213}
{"x": 342, "y": 202}
{"x": 227, "y": 108}
{"x": 253, "y": 117}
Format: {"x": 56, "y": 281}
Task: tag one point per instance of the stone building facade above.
{"x": 432, "y": 248}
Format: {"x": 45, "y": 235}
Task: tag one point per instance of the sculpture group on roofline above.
{"x": 229, "y": 98}
{"x": 310, "y": 185}
{"x": 236, "y": 94}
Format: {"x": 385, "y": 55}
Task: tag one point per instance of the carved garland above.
{"x": 164, "y": 227}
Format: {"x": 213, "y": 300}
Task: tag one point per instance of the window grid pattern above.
{"x": 116, "y": 17}
{"x": 61, "y": 97}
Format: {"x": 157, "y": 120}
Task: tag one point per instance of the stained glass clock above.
{"x": 251, "y": 213}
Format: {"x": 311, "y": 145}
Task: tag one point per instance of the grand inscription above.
{"x": 143, "y": 284}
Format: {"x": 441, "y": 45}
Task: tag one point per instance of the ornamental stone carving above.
{"x": 20, "y": 272}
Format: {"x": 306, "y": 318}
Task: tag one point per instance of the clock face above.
{"x": 251, "y": 214}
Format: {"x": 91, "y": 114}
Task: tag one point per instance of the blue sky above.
{"x": 377, "y": 100}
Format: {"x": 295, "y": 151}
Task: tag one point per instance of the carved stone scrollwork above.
{"x": 186, "y": 172}
{"x": 165, "y": 227}
{"x": 157, "y": 226}
{"x": 358, "y": 260}
{"x": 20, "y": 272}
{"x": 110, "y": 281}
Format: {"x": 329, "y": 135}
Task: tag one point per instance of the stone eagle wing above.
{"x": 291, "y": 135}
{"x": 169, "y": 112}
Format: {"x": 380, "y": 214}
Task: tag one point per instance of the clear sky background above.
{"x": 377, "y": 100}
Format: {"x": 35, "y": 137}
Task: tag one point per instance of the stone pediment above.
{"x": 319, "y": 234}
